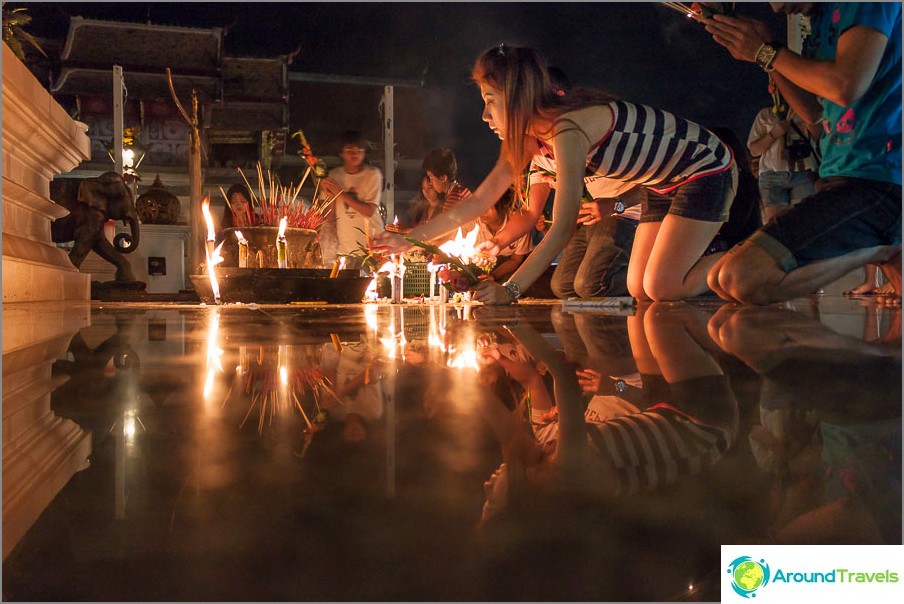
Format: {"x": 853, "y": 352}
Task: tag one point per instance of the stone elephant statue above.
{"x": 91, "y": 203}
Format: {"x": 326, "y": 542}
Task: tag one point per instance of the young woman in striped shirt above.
{"x": 689, "y": 176}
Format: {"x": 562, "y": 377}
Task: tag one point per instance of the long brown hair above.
{"x": 522, "y": 75}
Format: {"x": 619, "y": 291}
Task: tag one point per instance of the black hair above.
{"x": 228, "y": 218}
{"x": 505, "y": 203}
{"x": 353, "y": 138}
{"x": 441, "y": 162}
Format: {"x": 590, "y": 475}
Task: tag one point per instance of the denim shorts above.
{"x": 842, "y": 216}
{"x": 781, "y": 189}
{"x": 708, "y": 198}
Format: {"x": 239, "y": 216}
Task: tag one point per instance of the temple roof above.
{"x": 242, "y": 93}
{"x": 144, "y": 51}
{"x": 105, "y": 43}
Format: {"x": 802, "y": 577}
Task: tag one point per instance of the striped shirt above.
{"x": 657, "y": 447}
{"x": 653, "y": 148}
{"x": 647, "y": 449}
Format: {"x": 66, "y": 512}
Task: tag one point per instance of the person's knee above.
{"x": 737, "y": 278}
{"x": 664, "y": 290}
{"x": 562, "y": 285}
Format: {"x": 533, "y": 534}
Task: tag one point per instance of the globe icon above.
{"x": 749, "y": 575}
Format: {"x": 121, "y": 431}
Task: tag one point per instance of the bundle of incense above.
{"x": 619, "y": 305}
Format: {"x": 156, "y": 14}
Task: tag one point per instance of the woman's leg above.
{"x": 676, "y": 268}
{"x": 640, "y": 256}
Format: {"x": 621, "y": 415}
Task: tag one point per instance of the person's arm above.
{"x": 522, "y": 222}
{"x": 490, "y": 190}
{"x": 842, "y": 81}
{"x": 332, "y": 190}
{"x": 765, "y": 136}
{"x": 508, "y": 266}
{"x": 571, "y": 153}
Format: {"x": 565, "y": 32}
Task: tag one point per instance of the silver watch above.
{"x": 513, "y": 289}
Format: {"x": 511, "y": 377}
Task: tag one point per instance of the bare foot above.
{"x": 864, "y": 289}
{"x": 892, "y": 272}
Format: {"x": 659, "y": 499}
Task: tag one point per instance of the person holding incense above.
{"x": 238, "y": 210}
{"x": 356, "y": 187}
{"x": 688, "y": 175}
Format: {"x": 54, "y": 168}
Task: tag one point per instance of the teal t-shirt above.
{"x": 863, "y": 140}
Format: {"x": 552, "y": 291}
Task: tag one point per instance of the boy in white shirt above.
{"x": 357, "y": 187}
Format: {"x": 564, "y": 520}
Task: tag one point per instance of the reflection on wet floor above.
{"x": 427, "y": 452}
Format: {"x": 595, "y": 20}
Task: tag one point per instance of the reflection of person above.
{"x": 835, "y": 480}
{"x": 687, "y": 173}
{"x": 605, "y": 450}
{"x": 357, "y": 187}
{"x": 357, "y": 384}
{"x": 786, "y": 175}
{"x": 442, "y": 170}
{"x": 849, "y": 79}
{"x": 238, "y": 210}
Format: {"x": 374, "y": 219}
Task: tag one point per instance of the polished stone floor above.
{"x": 424, "y": 452}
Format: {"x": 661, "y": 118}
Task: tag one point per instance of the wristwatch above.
{"x": 513, "y": 289}
{"x": 766, "y": 54}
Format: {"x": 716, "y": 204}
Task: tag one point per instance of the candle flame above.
{"x": 283, "y": 223}
{"x": 341, "y": 262}
{"x": 205, "y": 209}
{"x": 214, "y": 259}
{"x": 241, "y": 238}
{"x": 462, "y": 246}
{"x": 371, "y": 292}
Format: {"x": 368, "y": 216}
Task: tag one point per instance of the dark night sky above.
{"x": 643, "y": 52}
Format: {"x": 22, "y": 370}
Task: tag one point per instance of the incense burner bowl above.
{"x": 283, "y": 285}
{"x": 302, "y": 247}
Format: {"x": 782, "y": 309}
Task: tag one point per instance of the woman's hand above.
{"x": 491, "y": 293}
{"x": 390, "y": 243}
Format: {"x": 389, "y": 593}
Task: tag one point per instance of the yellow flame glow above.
{"x": 214, "y": 352}
{"x": 213, "y": 260}
{"x": 205, "y": 209}
{"x": 283, "y": 223}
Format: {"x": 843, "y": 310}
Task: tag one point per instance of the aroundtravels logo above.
{"x": 748, "y": 575}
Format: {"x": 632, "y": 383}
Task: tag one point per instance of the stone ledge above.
{"x": 26, "y": 282}
{"x": 34, "y": 123}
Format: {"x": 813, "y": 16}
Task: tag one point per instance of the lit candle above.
{"x": 212, "y": 251}
{"x": 397, "y": 277}
{"x": 443, "y": 293}
{"x": 431, "y": 270}
{"x": 243, "y": 249}
{"x": 338, "y": 265}
{"x": 281, "y": 246}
